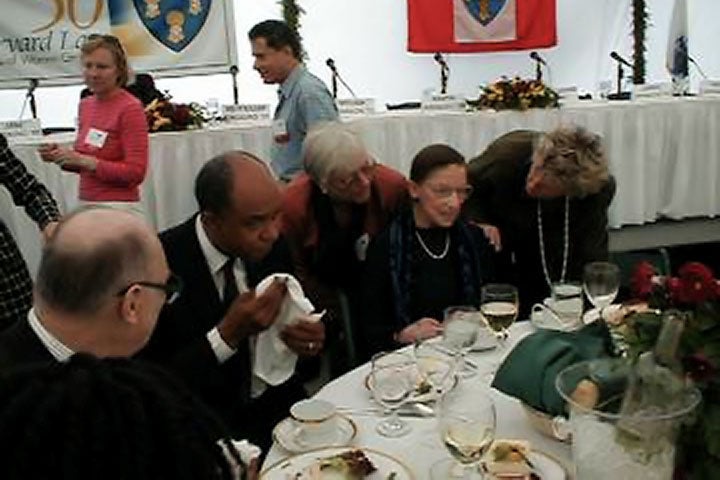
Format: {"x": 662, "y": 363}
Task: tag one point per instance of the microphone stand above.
{"x": 444, "y": 75}
{"x": 538, "y": 71}
{"x": 233, "y": 73}
{"x": 31, "y": 96}
{"x": 334, "y": 83}
{"x": 619, "y": 94}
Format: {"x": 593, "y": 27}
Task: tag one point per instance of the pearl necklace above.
{"x": 432, "y": 255}
{"x": 566, "y": 242}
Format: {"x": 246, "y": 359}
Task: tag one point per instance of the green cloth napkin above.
{"x": 528, "y": 373}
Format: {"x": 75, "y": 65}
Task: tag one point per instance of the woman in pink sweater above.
{"x": 111, "y": 149}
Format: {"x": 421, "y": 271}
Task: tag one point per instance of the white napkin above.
{"x": 274, "y": 361}
{"x": 247, "y": 452}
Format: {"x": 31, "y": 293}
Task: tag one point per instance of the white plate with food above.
{"x": 290, "y": 436}
{"x": 515, "y": 459}
{"x": 338, "y": 463}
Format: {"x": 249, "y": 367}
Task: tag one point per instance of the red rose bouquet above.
{"x": 696, "y": 292}
{"x": 163, "y": 115}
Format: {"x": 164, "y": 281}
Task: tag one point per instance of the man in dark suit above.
{"x": 102, "y": 281}
{"x": 221, "y": 254}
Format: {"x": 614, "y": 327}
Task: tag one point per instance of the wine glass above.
{"x": 601, "y": 281}
{"x": 467, "y": 428}
{"x": 213, "y": 108}
{"x": 435, "y": 364}
{"x": 499, "y": 307}
{"x": 392, "y": 380}
{"x": 460, "y": 331}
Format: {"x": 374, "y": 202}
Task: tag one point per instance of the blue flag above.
{"x": 677, "y": 50}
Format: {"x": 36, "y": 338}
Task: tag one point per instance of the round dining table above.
{"x": 422, "y": 447}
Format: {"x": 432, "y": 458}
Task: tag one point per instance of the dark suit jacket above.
{"x": 19, "y": 345}
{"x": 179, "y": 340}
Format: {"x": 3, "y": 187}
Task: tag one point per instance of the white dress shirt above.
{"x": 57, "y": 349}
{"x": 216, "y": 260}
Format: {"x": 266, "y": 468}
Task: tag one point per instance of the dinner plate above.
{"x": 423, "y": 391}
{"x": 293, "y": 467}
{"x": 287, "y": 435}
{"x": 545, "y": 466}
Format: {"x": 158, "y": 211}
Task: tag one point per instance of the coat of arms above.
{"x": 175, "y": 23}
{"x": 484, "y": 11}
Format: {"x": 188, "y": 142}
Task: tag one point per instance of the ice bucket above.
{"x": 607, "y": 444}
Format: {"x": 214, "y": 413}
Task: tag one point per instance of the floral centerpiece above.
{"x": 516, "y": 94}
{"x": 696, "y": 292}
{"x": 165, "y": 116}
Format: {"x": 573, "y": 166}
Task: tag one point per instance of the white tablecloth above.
{"x": 665, "y": 155}
{"x": 421, "y": 448}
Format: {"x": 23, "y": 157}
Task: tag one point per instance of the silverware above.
{"x": 413, "y": 409}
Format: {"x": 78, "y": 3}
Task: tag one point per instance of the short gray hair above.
{"x": 576, "y": 157}
{"x": 328, "y": 148}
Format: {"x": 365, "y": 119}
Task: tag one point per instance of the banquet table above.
{"x": 664, "y": 153}
{"x": 422, "y": 447}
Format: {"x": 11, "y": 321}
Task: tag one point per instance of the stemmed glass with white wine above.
{"x": 461, "y": 326}
{"x": 499, "y": 304}
{"x": 601, "y": 281}
{"x": 467, "y": 429}
{"x": 392, "y": 380}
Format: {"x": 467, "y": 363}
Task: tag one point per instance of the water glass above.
{"x": 392, "y": 380}
{"x": 601, "y": 281}
{"x": 461, "y": 325}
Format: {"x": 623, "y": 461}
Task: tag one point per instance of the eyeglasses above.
{"x": 354, "y": 178}
{"x": 444, "y": 193}
{"x": 172, "y": 287}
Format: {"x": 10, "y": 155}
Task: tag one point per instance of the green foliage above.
{"x": 291, "y": 13}
{"x": 640, "y": 20}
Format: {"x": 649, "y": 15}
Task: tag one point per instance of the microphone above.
{"x": 335, "y": 77}
{"x": 444, "y": 71}
{"x": 536, "y": 56}
{"x": 234, "y": 71}
{"x": 30, "y": 95}
{"x": 331, "y": 64}
{"x": 615, "y": 56}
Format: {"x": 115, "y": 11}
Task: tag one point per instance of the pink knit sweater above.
{"x": 122, "y": 157}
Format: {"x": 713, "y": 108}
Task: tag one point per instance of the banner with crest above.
{"x": 41, "y": 39}
{"x": 480, "y": 25}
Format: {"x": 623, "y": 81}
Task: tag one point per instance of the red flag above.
{"x": 480, "y": 25}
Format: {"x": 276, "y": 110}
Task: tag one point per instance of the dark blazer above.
{"x": 19, "y": 345}
{"x": 179, "y": 340}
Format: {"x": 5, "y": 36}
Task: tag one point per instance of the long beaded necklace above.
{"x": 432, "y": 255}
{"x": 566, "y": 242}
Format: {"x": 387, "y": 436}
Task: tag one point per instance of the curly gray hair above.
{"x": 576, "y": 157}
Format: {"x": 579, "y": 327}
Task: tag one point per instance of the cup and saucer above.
{"x": 312, "y": 424}
{"x": 561, "y": 311}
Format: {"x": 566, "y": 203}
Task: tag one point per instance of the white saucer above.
{"x": 286, "y": 434}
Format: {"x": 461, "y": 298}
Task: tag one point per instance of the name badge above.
{"x": 279, "y": 131}
{"x": 96, "y": 137}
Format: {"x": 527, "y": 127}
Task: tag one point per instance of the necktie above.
{"x": 230, "y": 290}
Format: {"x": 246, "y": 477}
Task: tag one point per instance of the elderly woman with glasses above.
{"x": 111, "y": 148}
{"x": 542, "y": 199}
{"x": 428, "y": 259}
{"x": 331, "y": 212}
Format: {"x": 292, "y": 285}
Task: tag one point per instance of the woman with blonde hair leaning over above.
{"x": 542, "y": 199}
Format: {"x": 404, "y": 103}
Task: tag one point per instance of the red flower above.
{"x": 696, "y": 284}
{"x": 181, "y": 115}
{"x": 641, "y": 281}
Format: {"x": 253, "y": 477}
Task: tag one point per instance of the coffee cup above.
{"x": 315, "y": 421}
{"x": 567, "y": 303}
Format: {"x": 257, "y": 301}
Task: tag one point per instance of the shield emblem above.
{"x": 484, "y": 11}
{"x": 175, "y": 23}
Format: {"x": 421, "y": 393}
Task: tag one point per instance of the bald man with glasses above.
{"x": 102, "y": 282}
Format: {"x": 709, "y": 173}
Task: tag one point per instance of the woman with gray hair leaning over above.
{"x": 331, "y": 211}
{"x": 542, "y": 200}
